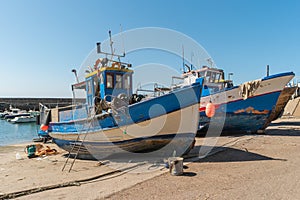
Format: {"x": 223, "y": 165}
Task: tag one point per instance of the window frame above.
{"x": 109, "y": 74}
{"x": 127, "y": 81}
{"x": 119, "y": 84}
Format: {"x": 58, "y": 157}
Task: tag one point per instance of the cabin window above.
{"x": 96, "y": 86}
{"x": 127, "y": 81}
{"x": 208, "y": 76}
{"x": 213, "y": 77}
{"x": 89, "y": 87}
{"x": 109, "y": 80}
{"x": 218, "y": 77}
{"x": 118, "y": 81}
{"x": 201, "y": 74}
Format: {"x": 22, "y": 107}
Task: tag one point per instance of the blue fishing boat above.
{"x": 243, "y": 108}
{"x": 114, "y": 120}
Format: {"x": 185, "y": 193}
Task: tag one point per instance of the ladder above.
{"x": 81, "y": 144}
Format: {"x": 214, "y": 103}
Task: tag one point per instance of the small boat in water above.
{"x": 115, "y": 121}
{"x": 23, "y": 119}
{"x": 3, "y": 114}
{"x": 15, "y": 112}
{"x": 242, "y": 108}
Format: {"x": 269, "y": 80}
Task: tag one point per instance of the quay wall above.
{"x": 33, "y": 103}
{"x": 292, "y": 108}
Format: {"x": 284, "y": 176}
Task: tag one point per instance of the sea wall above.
{"x": 33, "y": 103}
{"x": 292, "y": 108}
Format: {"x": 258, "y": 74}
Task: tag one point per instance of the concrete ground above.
{"x": 237, "y": 167}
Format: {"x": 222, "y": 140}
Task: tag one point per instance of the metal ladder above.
{"x": 81, "y": 144}
{"x": 82, "y": 141}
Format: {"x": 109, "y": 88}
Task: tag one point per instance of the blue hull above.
{"x": 248, "y": 115}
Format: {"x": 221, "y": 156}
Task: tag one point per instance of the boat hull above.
{"x": 16, "y": 115}
{"x": 169, "y": 133}
{"x": 136, "y": 148}
{"x": 235, "y": 113}
{"x": 27, "y": 119}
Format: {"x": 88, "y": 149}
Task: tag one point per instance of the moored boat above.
{"x": 15, "y": 112}
{"x": 23, "y": 119}
{"x": 3, "y": 114}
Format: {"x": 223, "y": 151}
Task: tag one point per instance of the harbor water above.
{"x": 17, "y": 133}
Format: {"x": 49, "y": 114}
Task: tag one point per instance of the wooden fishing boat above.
{"x": 114, "y": 120}
{"x": 243, "y": 108}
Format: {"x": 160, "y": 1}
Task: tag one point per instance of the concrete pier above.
{"x": 33, "y": 103}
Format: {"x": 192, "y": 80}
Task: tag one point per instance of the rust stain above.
{"x": 250, "y": 110}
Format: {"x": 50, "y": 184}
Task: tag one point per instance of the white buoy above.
{"x": 18, "y": 156}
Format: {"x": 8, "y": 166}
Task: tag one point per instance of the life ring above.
{"x": 97, "y": 63}
{"x": 116, "y": 63}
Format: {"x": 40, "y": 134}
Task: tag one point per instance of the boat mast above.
{"x": 183, "y": 64}
{"x": 111, "y": 44}
{"x": 112, "y": 54}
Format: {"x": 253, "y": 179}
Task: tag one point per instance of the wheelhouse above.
{"x": 109, "y": 81}
{"x": 214, "y": 79}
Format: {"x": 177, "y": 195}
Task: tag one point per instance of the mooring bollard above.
{"x": 175, "y": 165}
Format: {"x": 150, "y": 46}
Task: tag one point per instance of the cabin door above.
{"x": 90, "y": 91}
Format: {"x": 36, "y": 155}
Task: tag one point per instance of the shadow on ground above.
{"x": 228, "y": 154}
{"x": 212, "y": 154}
{"x": 283, "y": 132}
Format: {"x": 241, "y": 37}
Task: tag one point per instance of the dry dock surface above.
{"x": 239, "y": 167}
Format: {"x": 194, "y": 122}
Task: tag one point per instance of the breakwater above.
{"x": 33, "y": 103}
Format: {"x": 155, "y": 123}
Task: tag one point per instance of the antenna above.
{"x": 189, "y": 68}
{"x": 111, "y": 45}
{"x": 112, "y": 54}
{"x": 121, "y": 33}
{"x": 183, "y": 64}
{"x": 210, "y": 62}
{"x": 192, "y": 54}
{"x": 110, "y": 42}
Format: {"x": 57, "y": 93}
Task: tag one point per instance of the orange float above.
{"x": 44, "y": 127}
{"x": 210, "y": 110}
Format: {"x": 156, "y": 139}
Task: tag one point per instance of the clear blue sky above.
{"x": 41, "y": 41}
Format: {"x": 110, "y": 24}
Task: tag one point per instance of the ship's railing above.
{"x": 156, "y": 91}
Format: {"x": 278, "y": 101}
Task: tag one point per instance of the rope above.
{"x": 66, "y": 184}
